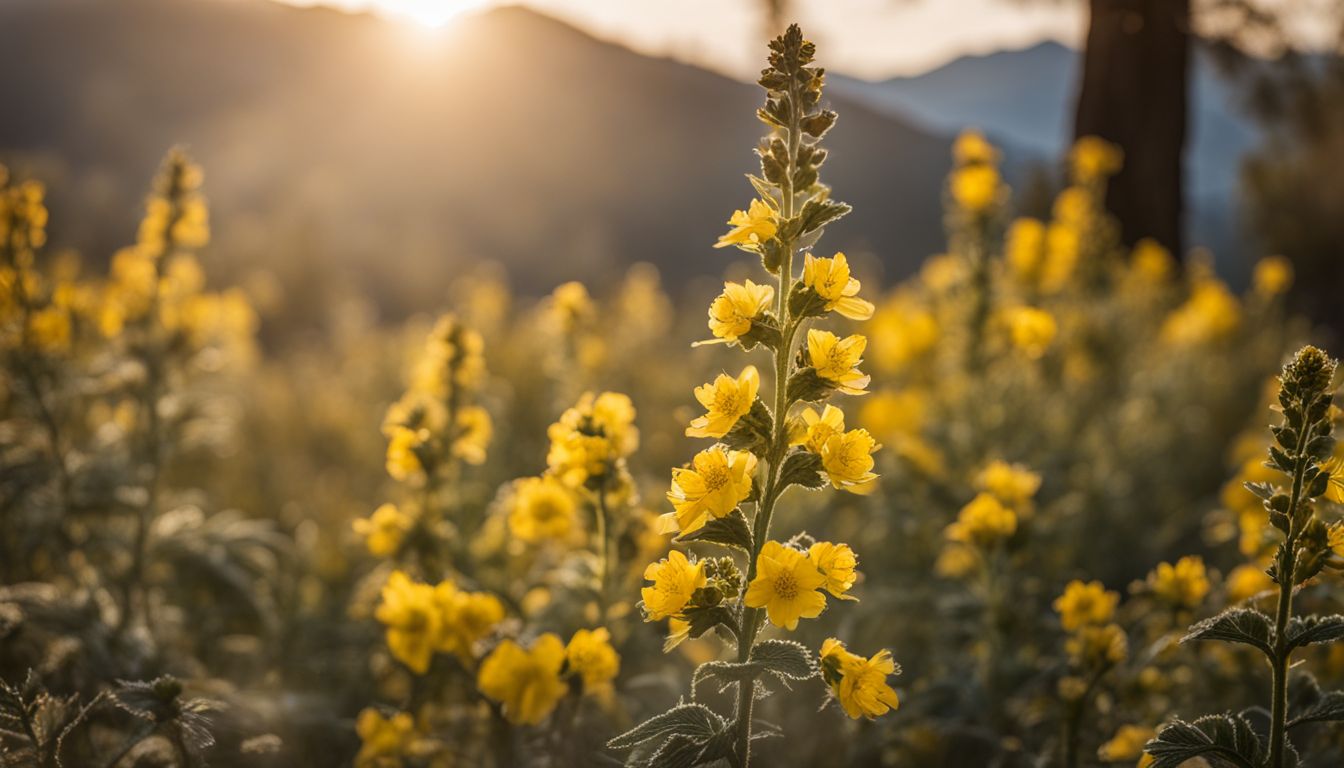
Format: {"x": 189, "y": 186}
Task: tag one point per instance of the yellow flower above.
{"x": 1273, "y": 276}
{"x": 815, "y": 429}
{"x": 1024, "y": 250}
{"x": 1248, "y": 580}
{"x": 49, "y": 329}
{"x": 474, "y": 430}
{"x": 740, "y": 304}
{"x": 859, "y": 684}
{"x": 413, "y": 621}
{"x": 526, "y": 682}
{"x": 1098, "y": 646}
{"x": 956, "y": 560}
{"x": 384, "y": 530}
{"x": 402, "y": 461}
{"x": 971, "y": 148}
{"x": 384, "y": 740}
{"x": 1127, "y": 745}
{"x": 591, "y": 656}
{"x": 1085, "y": 604}
{"x": 837, "y": 360}
{"x": 983, "y": 522}
{"x": 848, "y": 461}
{"x": 1094, "y": 159}
{"x": 725, "y": 401}
{"x": 1150, "y": 262}
{"x": 1184, "y": 584}
{"x": 1012, "y": 484}
{"x": 786, "y": 586}
{"x": 975, "y": 187}
{"x": 674, "y": 579}
{"x": 570, "y": 306}
{"x": 1032, "y": 330}
{"x": 1335, "y": 539}
{"x": 543, "y": 508}
{"x": 830, "y": 279}
{"x": 591, "y": 437}
{"x": 467, "y": 618}
{"x": 717, "y": 480}
{"x": 751, "y": 227}
{"x": 1210, "y": 313}
{"x": 902, "y": 333}
{"x": 836, "y": 562}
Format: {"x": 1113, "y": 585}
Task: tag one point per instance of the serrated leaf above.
{"x": 818, "y": 213}
{"x": 784, "y": 658}
{"x": 1328, "y": 709}
{"x": 1236, "y": 625}
{"x": 802, "y": 468}
{"x": 1223, "y": 741}
{"x": 690, "y": 720}
{"x": 1307, "y": 630}
{"x": 730, "y": 530}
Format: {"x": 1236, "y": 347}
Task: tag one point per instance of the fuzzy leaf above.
{"x": 802, "y": 468}
{"x": 1330, "y": 708}
{"x": 1237, "y": 625}
{"x": 690, "y": 720}
{"x": 818, "y": 213}
{"x": 1223, "y": 741}
{"x": 784, "y": 658}
{"x": 728, "y": 531}
{"x": 1307, "y": 630}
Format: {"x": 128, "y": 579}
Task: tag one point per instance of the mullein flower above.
{"x": 813, "y": 429}
{"x": 590, "y": 656}
{"x": 675, "y": 579}
{"x": 750, "y": 228}
{"x": 786, "y": 586}
{"x": 725, "y": 401}
{"x": 384, "y": 530}
{"x": 1273, "y": 276}
{"x": 525, "y": 681}
{"x": 384, "y": 740}
{"x": 732, "y": 314}
{"x": 591, "y": 439}
{"x": 465, "y": 618}
{"x": 412, "y": 619}
{"x": 715, "y": 483}
{"x": 848, "y": 461}
{"x": 1126, "y": 746}
{"x": 830, "y": 279}
{"x": 474, "y": 431}
{"x": 859, "y": 684}
{"x": 983, "y": 522}
{"x": 1084, "y": 604}
{"x": 837, "y": 563}
{"x": 837, "y": 360}
{"x": 1031, "y": 330}
{"x": 541, "y": 508}
{"x": 1183, "y": 584}
{"x": 1093, "y": 159}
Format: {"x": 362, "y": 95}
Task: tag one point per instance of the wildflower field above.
{"x": 1051, "y": 501}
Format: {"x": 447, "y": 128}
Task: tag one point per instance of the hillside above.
{"x": 346, "y": 144}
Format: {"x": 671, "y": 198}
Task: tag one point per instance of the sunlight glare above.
{"x": 428, "y": 13}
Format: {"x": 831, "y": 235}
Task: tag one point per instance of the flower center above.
{"x": 715, "y": 478}
{"x": 786, "y": 586}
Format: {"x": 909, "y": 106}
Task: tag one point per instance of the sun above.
{"x": 428, "y": 13}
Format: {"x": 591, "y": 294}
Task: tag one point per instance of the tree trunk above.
{"x": 1133, "y": 94}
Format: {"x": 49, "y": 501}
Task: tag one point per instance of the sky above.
{"x": 866, "y": 38}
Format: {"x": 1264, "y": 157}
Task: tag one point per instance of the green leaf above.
{"x": 785, "y": 659}
{"x": 1264, "y": 491}
{"x": 1224, "y": 741}
{"x": 1307, "y": 630}
{"x": 689, "y": 720}
{"x": 803, "y": 468}
{"x": 728, "y": 531}
{"x": 1236, "y": 625}
{"x": 818, "y": 213}
{"x": 806, "y": 386}
{"x": 1329, "y": 709}
{"x": 1279, "y": 460}
{"x": 704, "y": 619}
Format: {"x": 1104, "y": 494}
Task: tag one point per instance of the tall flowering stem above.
{"x": 1302, "y": 445}
{"x": 763, "y": 449}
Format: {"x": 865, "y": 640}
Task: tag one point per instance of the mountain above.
{"x": 1024, "y": 98}
{"x": 338, "y": 144}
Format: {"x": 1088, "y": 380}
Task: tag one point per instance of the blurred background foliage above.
{"x": 191, "y": 425}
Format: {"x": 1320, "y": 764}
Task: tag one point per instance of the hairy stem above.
{"x": 1278, "y": 723}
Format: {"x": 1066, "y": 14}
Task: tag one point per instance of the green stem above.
{"x": 603, "y": 548}
{"x": 751, "y": 617}
{"x": 1278, "y": 723}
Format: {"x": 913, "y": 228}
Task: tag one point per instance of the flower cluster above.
{"x": 768, "y": 436}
